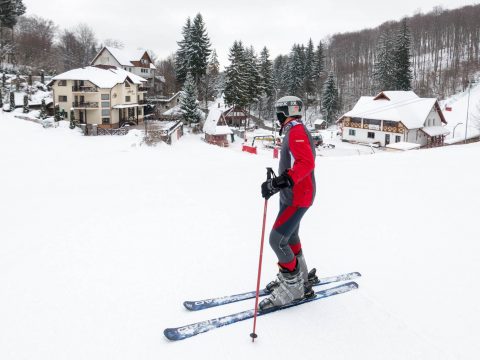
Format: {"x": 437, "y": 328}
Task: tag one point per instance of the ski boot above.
{"x": 309, "y": 278}
{"x": 290, "y": 288}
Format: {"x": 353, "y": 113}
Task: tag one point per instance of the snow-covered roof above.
{"x": 402, "y": 145}
{"x": 319, "y": 122}
{"x": 124, "y": 57}
{"x": 435, "y": 130}
{"x": 400, "y": 106}
{"x": 171, "y": 98}
{"x": 103, "y": 77}
{"x": 211, "y": 126}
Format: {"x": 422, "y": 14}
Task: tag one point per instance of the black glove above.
{"x": 272, "y": 186}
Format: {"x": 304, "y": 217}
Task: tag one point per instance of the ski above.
{"x": 188, "y": 331}
{"x": 209, "y": 303}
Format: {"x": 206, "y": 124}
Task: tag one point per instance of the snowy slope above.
{"x": 457, "y": 117}
{"x": 102, "y": 239}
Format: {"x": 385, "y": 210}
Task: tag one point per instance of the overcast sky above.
{"x": 277, "y": 24}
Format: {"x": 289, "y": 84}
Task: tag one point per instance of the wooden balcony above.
{"x": 85, "y": 105}
{"x": 84, "y": 89}
{"x": 142, "y": 89}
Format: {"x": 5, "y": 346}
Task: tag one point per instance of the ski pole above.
{"x": 253, "y": 335}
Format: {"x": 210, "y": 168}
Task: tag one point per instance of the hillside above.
{"x": 102, "y": 240}
{"x": 445, "y": 54}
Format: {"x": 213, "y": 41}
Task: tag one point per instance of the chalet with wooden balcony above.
{"x": 395, "y": 116}
{"x": 137, "y": 62}
{"x": 103, "y": 95}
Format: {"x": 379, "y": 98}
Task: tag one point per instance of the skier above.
{"x": 296, "y": 184}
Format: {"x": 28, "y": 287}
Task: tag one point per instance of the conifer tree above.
{"x": 266, "y": 73}
{"x": 252, "y": 76}
{"x": 402, "y": 58}
{"x": 188, "y": 101}
{"x": 4, "y": 79}
{"x": 1, "y": 98}
{"x": 309, "y": 71}
{"x": 236, "y": 85}
{"x": 200, "y": 50}
{"x": 294, "y": 76}
{"x": 319, "y": 67}
{"x": 330, "y": 100}
{"x": 12, "y": 101}
{"x": 26, "y": 108}
{"x": 384, "y": 72}
{"x": 209, "y": 81}
{"x": 182, "y": 58}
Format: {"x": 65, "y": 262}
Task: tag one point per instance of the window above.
{"x": 351, "y": 132}
{"x": 62, "y": 83}
{"x": 127, "y": 98}
{"x": 62, "y": 98}
{"x": 105, "y": 104}
{"x": 397, "y": 139}
{"x": 127, "y": 84}
{"x": 140, "y": 111}
{"x": 105, "y": 112}
{"x": 105, "y": 120}
{"x": 371, "y": 135}
{"x": 105, "y": 96}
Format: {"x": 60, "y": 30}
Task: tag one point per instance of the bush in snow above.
{"x": 43, "y": 110}
{"x": 72, "y": 119}
{"x": 26, "y": 108}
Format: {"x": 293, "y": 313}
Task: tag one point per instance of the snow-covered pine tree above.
{"x": 294, "y": 76}
{"x": 279, "y": 72}
{"x": 10, "y": 10}
{"x": 236, "y": 86}
{"x": 43, "y": 110}
{"x": 384, "y": 67}
{"x": 26, "y": 107}
{"x": 188, "y": 101}
{"x": 309, "y": 72}
{"x": 330, "y": 100}
{"x": 319, "y": 68}
{"x": 199, "y": 51}
{"x": 267, "y": 86}
{"x": 253, "y": 79}
{"x": 182, "y": 56}
{"x": 12, "y": 101}
{"x": 402, "y": 58}
{"x": 209, "y": 80}
{"x": 252, "y": 75}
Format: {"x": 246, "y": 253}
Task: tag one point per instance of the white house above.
{"x": 103, "y": 95}
{"x": 137, "y": 62}
{"x": 395, "y": 116}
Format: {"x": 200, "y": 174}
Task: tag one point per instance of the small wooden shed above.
{"x": 216, "y": 129}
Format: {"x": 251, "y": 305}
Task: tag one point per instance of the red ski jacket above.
{"x": 297, "y": 156}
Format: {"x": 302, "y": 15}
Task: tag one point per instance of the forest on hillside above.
{"x": 444, "y": 54}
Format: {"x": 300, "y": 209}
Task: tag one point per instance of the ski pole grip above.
{"x": 270, "y": 172}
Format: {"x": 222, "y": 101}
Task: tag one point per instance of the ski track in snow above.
{"x": 101, "y": 240}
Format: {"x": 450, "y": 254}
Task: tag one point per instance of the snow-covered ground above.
{"x": 101, "y": 240}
